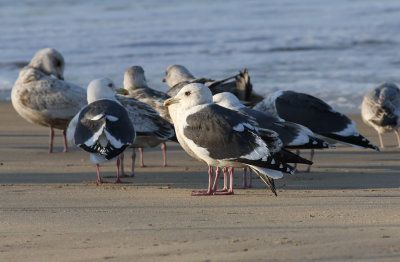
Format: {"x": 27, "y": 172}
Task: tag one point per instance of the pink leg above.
{"x": 308, "y": 170}
{"x": 209, "y": 190}
{"x": 398, "y": 137}
{"x": 380, "y": 140}
{"x": 118, "y": 180}
{"x": 164, "y": 150}
{"x": 225, "y": 189}
{"x": 65, "y": 142}
{"x": 141, "y": 157}
{"x": 295, "y": 164}
{"x": 250, "y": 178}
{"x": 121, "y": 158}
{"x": 51, "y": 138}
{"x": 133, "y": 162}
{"x": 98, "y": 175}
{"x": 217, "y": 174}
{"x": 230, "y": 191}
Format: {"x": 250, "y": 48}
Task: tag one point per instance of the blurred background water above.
{"x": 336, "y": 50}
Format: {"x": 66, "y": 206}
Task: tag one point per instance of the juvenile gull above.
{"x": 293, "y": 136}
{"x": 381, "y": 109}
{"x": 224, "y": 138}
{"x": 45, "y": 100}
{"x": 103, "y": 127}
{"x": 178, "y": 76}
{"x": 135, "y": 83}
{"x": 318, "y": 116}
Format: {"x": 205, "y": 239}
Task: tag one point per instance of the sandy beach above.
{"x": 347, "y": 209}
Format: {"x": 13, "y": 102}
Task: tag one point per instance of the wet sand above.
{"x": 347, "y": 209}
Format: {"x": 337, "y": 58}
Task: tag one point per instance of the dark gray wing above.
{"x": 228, "y": 135}
{"x": 291, "y": 134}
{"x": 112, "y": 118}
{"x": 311, "y": 112}
{"x": 318, "y": 116}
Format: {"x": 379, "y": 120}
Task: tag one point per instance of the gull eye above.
{"x": 57, "y": 63}
{"x": 110, "y": 85}
{"x": 187, "y": 93}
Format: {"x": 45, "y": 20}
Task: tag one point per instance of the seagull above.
{"x": 103, "y": 127}
{"x": 324, "y": 121}
{"x": 41, "y": 96}
{"x": 224, "y": 138}
{"x": 135, "y": 83}
{"x": 293, "y": 136}
{"x": 178, "y": 76}
{"x": 381, "y": 109}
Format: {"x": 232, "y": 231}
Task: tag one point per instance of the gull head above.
{"x": 176, "y": 74}
{"x": 49, "y": 61}
{"x": 227, "y": 100}
{"x": 191, "y": 95}
{"x": 102, "y": 88}
{"x": 134, "y": 78}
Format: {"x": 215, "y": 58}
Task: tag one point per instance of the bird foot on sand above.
{"x": 224, "y": 193}
{"x": 202, "y": 193}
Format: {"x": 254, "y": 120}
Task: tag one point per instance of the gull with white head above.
{"x": 224, "y": 138}
{"x": 103, "y": 127}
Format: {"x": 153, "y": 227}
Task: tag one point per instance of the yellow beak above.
{"x": 171, "y": 101}
{"x": 122, "y": 91}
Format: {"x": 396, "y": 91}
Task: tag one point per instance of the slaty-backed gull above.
{"x": 103, "y": 127}
{"x": 381, "y": 109}
{"x": 45, "y": 100}
{"x": 224, "y": 138}
{"x": 293, "y": 136}
{"x": 318, "y": 116}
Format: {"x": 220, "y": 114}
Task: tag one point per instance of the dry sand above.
{"x": 347, "y": 209}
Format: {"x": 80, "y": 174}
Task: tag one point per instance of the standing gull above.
{"x": 103, "y": 127}
{"x": 45, "y": 100}
{"x": 381, "y": 109}
{"x": 224, "y": 138}
{"x": 318, "y": 116}
{"x": 135, "y": 83}
{"x": 293, "y": 136}
{"x": 177, "y": 76}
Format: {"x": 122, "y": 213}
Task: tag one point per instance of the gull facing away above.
{"x": 177, "y": 76}
{"x": 293, "y": 136}
{"x": 380, "y": 109}
{"x": 135, "y": 83}
{"x": 103, "y": 127}
{"x": 318, "y": 116}
{"x": 41, "y": 96}
{"x": 224, "y": 138}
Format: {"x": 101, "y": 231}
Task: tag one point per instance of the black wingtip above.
{"x": 271, "y": 183}
{"x": 357, "y": 141}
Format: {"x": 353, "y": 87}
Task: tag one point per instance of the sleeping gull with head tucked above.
{"x": 103, "y": 127}
{"x": 381, "y": 109}
{"x": 177, "y": 76}
{"x": 224, "y": 138}
{"x": 41, "y": 96}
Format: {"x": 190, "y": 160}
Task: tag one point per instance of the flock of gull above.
{"x": 219, "y": 122}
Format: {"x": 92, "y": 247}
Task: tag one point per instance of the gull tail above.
{"x": 267, "y": 180}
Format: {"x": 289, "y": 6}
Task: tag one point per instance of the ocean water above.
{"x": 336, "y": 50}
